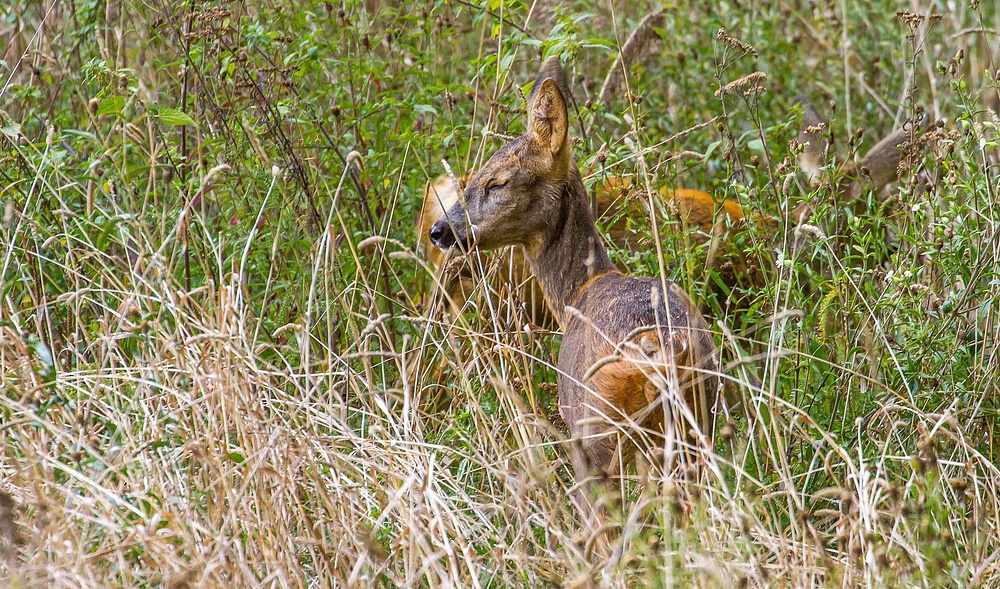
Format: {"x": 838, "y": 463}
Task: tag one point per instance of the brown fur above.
{"x": 10, "y": 532}
{"x": 876, "y": 169}
{"x": 513, "y": 275}
{"x": 530, "y": 193}
{"x": 695, "y": 208}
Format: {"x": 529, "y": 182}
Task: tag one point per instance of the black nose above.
{"x": 441, "y": 234}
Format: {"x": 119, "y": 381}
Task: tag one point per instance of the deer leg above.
{"x": 595, "y": 465}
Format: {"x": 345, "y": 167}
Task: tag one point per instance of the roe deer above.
{"x": 637, "y": 359}
{"x": 615, "y": 203}
{"x": 876, "y": 169}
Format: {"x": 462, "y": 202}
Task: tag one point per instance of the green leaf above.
{"x": 174, "y": 116}
{"x": 133, "y": 172}
{"x": 711, "y": 149}
{"x": 111, "y": 106}
{"x": 81, "y": 134}
{"x": 506, "y": 61}
{"x": 12, "y": 130}
{"x": 425, "y": 109}
{"x": 43, "y": 352}
{"x": 756, "y": 145}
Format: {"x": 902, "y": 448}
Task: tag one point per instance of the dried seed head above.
{"x": 846, "y": 500}
{"x": 881, "y": 558}
{"x": 93, "y": 105}
{"x": 926, "y": 455}
{"x": 914, "y": 20}
{"x": 654, "y": 542}
{"x": 786, "y": 185}
{"x": 728, "y": 432}
{"x": 844, "y": 535}
{"x": 751, "y": 84}
{"x": 762, "y": 571}
{"x": 743, "y": 523}
{"x": 675, "y": 501}
{"x": 734, "y": 43}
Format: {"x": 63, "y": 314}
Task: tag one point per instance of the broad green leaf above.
{"x": 425, "y": 109}
{"x": 111, "y": 106}
{"x": 711, "y": 149}
{"x": 174, "y": 116}
{"x": 12, "y": 130}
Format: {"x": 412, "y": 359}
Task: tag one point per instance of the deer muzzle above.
{"x": 444, "y": 234}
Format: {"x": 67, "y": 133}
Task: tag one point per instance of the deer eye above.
{"x": 496, "y": 185}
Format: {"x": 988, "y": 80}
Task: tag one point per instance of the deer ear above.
{"x": 548, "y": 119}
{"x": 813, "y": 140}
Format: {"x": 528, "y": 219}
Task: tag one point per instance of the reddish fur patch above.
{"x": 622, "y": 385}
{"x": 589, "y": 282}
{"x": 696, "y": 207}
{"x": 626, "y": 384}
{"x": 439, "y": 196}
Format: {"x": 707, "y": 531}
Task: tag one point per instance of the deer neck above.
{"x": 570, "y": 252}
